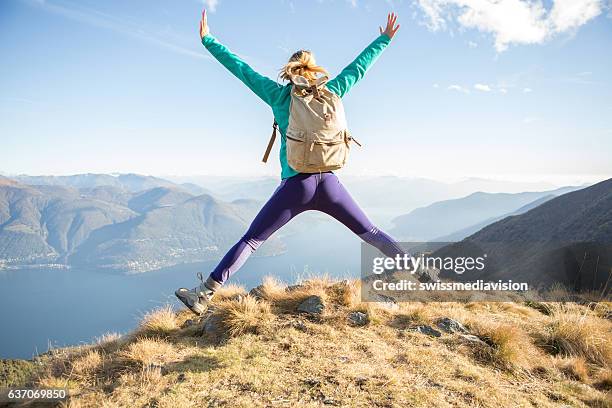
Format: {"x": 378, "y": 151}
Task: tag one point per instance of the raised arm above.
{"x": 267, "y": 89}
{"x": 356, "y": 70}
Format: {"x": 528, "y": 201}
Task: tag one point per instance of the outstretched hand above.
{"x": 203, "y": 25}
{"x": 391, "y": 28}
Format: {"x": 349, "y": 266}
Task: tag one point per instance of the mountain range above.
{"x": 566, "y": 240}
{"x": 381, "y": 194}
{"x": 453, "y": 220}
{"x": 139, "y": 223}
{"x": 133, "y": 223}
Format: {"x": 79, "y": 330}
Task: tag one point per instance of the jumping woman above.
{"x": 314, "y": 140}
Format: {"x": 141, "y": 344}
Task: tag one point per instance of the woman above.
{"x": 297, "y": 192}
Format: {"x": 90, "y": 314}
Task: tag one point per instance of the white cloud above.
{"x": 472, "y": 44}
{"x": 458, "y": 88}
{"x": 436, "y": 86}
{"x": 527, "y": 90}
{"x": 482, "y": 87}
{"x": 511, "y": 21}
{"x": 211, "y": 5}
{"x": 503, "y": 91}
{"x": 570, "y": 14}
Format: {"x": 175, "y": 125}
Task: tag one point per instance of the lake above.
{"x": 54, "y": 307}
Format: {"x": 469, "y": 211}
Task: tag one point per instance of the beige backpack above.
{"x": 317, "y": 136}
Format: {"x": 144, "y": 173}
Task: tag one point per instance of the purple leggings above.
{"x": 317, "y": 191}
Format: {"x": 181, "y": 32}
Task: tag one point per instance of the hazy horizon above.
{"x": 543, "y": 181}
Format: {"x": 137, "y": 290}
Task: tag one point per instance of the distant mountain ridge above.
{"x": 582, "y": 215}
{"x": 393, "y": 193}
{"x": 449, "y": 217}
{"x": 130, "y": 182}
{"x": 466, "y": 232}
{"x": 46, "y": 224}
{"x": 140, "y": 223}
{"x": 4, "y": 181}
{"x": 566, "y": 240}
{"x": 118, "y": 226}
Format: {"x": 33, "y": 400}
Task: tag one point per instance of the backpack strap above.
{"x": 271, "y": 142}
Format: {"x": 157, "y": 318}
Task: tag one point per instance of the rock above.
{"x": 312, "y": 305}
{"x": 358, "y": 318}
{"x": 428, "y": 275}
{"x": 428, "y": 330}
{"x": 181, "y": 377}
{"x": 292, "y": 288}
{"x": 361, "y": 381}
{"x": 470, "y": 338}
{"x": 385, "y": 301}
{"x": 257, "y": 292}
{"x": 211, "y": 325}
{"x": 312, "y": 382}
{"x": 330, "y": 401}
{"x": 451, "y": 325}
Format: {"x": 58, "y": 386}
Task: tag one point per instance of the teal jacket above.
{"x": 277, "y": 96}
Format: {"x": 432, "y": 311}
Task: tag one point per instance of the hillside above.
{"x": 109, "y": 226}
{"x": 258, "y": 350}
{"x": 472, "y": 229}
{"x": 46, "y": 224}
{"x": 451, "y": 216}
{"x": 566, "y": 240}
{"x": 582, "y": 215}
{"x": 6, "y": 181}
{"x": 193, "y": 230}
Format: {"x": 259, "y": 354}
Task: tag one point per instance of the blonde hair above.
{"x": 302, "y": 63}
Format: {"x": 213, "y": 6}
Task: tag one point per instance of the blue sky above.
{"x": 509, "y": 89}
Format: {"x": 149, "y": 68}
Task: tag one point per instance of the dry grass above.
{"x": 87, "y": 364}
{"x": 57, "y": 382}
{"x": 149, "y": 351}
{"x": 107, "y": 338}
{"x": 158, "y": 322}
{"x": 604, "y": 379}
{"x": 230, "y": 291}
{"x": 273, "y": 356}
{"x": 346, "y": 293}
{"x": 575, "y": 368}
{"x": 601, "y": 309}
{"x": 245, "y": 315}
{"x": 377, "y": 314}
{"x": 577, "y": 333}
{"x": 508, "y": 345}
{"x": 286, "y": 300}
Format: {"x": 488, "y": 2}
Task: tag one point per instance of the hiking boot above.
{"x": 198, "y": 298}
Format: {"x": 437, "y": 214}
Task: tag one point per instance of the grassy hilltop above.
{"x": 258, "y": 350}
